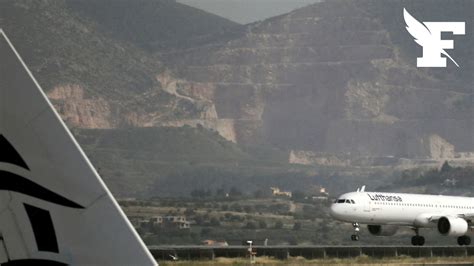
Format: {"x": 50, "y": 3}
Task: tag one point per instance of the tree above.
{"x": 220, "y": 193}
{"x": 214, "y": 222}
{"x": 262, "y": 224}
{"x": 235, "y": 192}
{"x": 251, "y": 225}
{"x": 198, "y": 219}
{"x": 298, "y": 195}
{"x": 201, "y": 193}
{"x": 206, "y": 231}
{"x": 236, "y": 207}
{"x": 297, "y": 226}
{"x": 248, "y": 208}
{"x": 446, "y": 167}
{"x": 189, "y": 212}
{"x": 198, "y": 193}
{"x": 259, "y": 194}
{"x": 207, "y": 193}
{"x": 278, "y": 225}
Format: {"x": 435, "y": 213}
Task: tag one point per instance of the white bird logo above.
{"x": 421, "y": 33}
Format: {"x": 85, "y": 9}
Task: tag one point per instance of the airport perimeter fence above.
{"x": 307, "y": 252}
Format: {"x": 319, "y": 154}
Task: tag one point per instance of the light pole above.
{"x": 251, "y": 253}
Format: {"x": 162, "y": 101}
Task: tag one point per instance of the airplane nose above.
{"x": 333, "y": 211}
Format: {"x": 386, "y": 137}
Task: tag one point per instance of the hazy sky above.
{"x": 246, "y": 11}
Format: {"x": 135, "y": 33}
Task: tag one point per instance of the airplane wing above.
{"x": 54, "y": 207}
{"x": 465, "y": 216}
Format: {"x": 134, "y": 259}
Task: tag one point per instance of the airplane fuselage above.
{"x": 381, "y": 208}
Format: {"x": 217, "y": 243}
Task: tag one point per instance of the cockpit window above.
{"x": 350, "y": 201}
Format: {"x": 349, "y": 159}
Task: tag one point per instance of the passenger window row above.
{"x": 425, "y": 205}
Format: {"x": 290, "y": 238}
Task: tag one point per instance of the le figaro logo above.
{"x": 428, "y": 36}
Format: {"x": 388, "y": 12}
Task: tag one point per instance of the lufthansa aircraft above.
{"x": 54, "y": 207}
{"x": 385, "y": 212}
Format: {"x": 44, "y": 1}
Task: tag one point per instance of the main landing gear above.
{"x": 355, "y": 236}
{"x": 464, "y": 240}
{"x": 417, "y": 240}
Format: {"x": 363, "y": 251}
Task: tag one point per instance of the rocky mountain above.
{"x": 338, "y": 77}
{"x": 321, "y": 91}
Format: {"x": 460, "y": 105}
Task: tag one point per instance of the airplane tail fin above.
{"x": 54, "y": 207}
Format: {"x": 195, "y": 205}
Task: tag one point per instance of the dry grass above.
{"x": 362, "y": 260}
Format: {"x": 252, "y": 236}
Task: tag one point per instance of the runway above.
{"x": 308, "y": 252}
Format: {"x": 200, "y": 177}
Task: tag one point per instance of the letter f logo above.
{"x": 428, "y": 35}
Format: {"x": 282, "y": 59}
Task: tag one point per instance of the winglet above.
{"x": 362, "y": 189}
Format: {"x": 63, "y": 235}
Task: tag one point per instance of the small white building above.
{"x": 277, "y": 192}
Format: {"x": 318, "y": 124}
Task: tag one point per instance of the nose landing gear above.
{"x": 355, "y": 236}
{"x": 417, "y": 240}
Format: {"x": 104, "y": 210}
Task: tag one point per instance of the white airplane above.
{"x": 385, "y": 212}
{"x": 54, "y": 207}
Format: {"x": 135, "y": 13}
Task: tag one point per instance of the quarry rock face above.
{"x": 329, "y": 78}
{"x": 439, "y": 148}
{"x": 78, "y": 111}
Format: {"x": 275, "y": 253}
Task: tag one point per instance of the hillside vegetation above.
{"x": 446, "y": 180}
{"x": 155, "y": 25}
{"x": 61, "y": 47}
{"x": 147, "y": 162}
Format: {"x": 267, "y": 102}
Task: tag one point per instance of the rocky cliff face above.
{"x": 78, "y": 111}
{"x": 329, "y": 78}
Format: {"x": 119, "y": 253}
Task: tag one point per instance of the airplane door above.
{"x": 367, "y": 206}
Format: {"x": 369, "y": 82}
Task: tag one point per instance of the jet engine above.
{"x": 386, "y": 230}
{"x": 452, "y": 226}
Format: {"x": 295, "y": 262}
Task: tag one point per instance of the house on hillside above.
{"x": 173, "y": 222}
{"x": 214, "y": 243}
{"x": 277, "y": 192}
{"x": 319, "y": 193}
{"x": 177, "y": 222}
